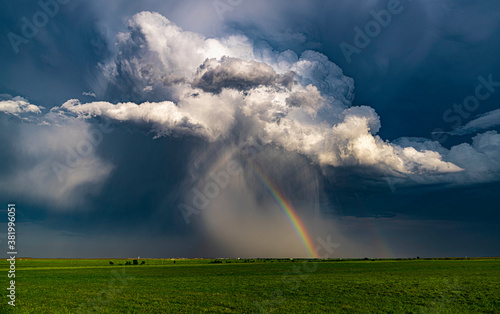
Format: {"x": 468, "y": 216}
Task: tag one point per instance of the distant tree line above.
{"x": 134, "y": 262}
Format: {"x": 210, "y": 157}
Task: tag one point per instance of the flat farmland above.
{"x": 254, "y": 286}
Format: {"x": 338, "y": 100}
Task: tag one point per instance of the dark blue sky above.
{"x": 385, "y": 178}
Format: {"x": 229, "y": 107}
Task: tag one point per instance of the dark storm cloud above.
{"x": 427, "y": 59}
{"x": 62, "y": 55}
{"x": 213, "y": 75}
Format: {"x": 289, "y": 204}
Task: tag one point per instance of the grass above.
{"x": 241, "y": 286}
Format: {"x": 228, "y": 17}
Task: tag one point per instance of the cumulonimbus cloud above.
{"x": 221, "y": 88}
{"x": 301, "y": 104}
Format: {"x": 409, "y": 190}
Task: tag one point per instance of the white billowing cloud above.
{"x": 352, "y": 143}
{"x": 190, "y": 117}
{"x": 483, "y": 122}
{"x": 213, "y": 86}
{"x": 180, "y": 52}
{"x": 482, "y": 158}
{"x": 315, "y": 68}
{"x": 17, "y": 106}
{"x": 156, "y": 55}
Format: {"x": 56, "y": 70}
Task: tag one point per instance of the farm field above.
{"x": 255, "y": 286}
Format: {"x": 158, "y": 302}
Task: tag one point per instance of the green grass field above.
{"x": 238, "y": 286}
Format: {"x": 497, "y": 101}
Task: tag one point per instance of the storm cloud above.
{"x": 121, "y": 110}
{"x": 302, "y": 104}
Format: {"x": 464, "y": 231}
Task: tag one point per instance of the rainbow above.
{"x": 287, "y": 208}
